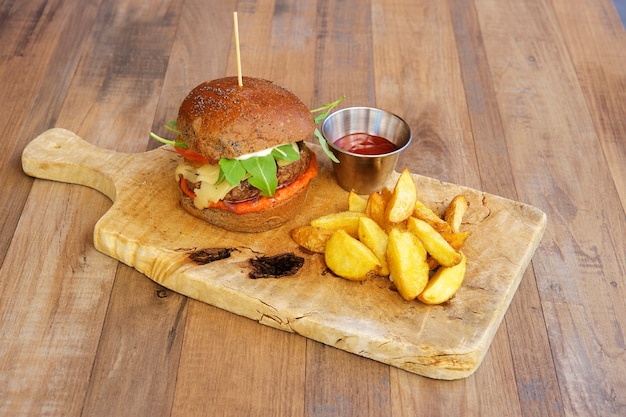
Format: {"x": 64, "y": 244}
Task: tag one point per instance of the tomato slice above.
{"x": 191, "y": 155}
{"x": 184, "y": 185}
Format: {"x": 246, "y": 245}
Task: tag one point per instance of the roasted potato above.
{"x": 403, "y": 197}
{"x": 423, "y": 212}
{"x": 432, "y": 263}
{"x": 356, "y": 202}
{"x": 444, "y": 283}
{"x": 375, "y": 208}
{"x": 392, "y": 233}
{"x": 434, "y": 243}
{"x": 311, "y": 237}
{"x": 343, "y": 220}
{"x": 455, "y": 212}
{"x": 456, "y": 240}
{"x": 375, "y": 238}
{"x": 406, "y": 258}
{"x": 386, "y": 193}
{"x": 348, "y": 258}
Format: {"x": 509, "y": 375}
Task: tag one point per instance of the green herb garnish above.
{"x": 171, "y": 126}
{"x": 325, "y": 109}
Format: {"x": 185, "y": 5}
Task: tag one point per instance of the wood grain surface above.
{"x": 524, "y": 100}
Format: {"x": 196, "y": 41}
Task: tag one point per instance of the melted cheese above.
{"x": 207, "y": 175}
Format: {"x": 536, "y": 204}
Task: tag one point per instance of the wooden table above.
{"x": 525, "y": 100}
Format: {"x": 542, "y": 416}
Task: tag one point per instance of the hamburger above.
{"x": 245, "y": 165}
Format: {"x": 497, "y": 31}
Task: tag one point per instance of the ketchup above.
{"x": 365, "y": 144}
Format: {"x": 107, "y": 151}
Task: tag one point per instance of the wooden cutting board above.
{"x": 146, "y": 229}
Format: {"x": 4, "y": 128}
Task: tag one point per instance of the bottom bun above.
{"x": 258, "y": 221}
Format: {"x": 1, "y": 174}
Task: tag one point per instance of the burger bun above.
{"x": 220, "y": 119}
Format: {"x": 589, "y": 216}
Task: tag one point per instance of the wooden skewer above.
{"x": 239, "y": 77}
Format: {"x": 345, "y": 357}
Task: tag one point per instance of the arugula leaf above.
{"x": 325, "y": 109}
{"x": 324, "y": 144}
{"x": 259, "y": 170}
{"x": 171, "y": 126}
{"x": 286, "y": 152}
{"x": 176, "y": 143}
{"x": 262, "y": 170}
{"x": 232, "y": 170}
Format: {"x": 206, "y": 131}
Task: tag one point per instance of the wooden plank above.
{"x": 602, "y": 73}
{"x": 50, "y": 305}
{"x": 537, "y": 384}
{"x": 582, "y": 34}
{"x": 353, "y": 386}
{"x": 121, "y": 83}
{"x": 576, "y": 265}
{"x": 428, "y": 92}
{"x": 42, "y": 43}
{"x": 116, "y": 90}
{"x": 46, "y": 299}
{"x": 343, "y": 57}
{"x": 226, "y": 356}
{"x": 490, "y": 387}
{"x": 119, "y": 67}
{"x": 343, "y": 67}
{"x": 199, "y": 53}
{"x": 435, "y": 89}
{"x": 139, "y": 349}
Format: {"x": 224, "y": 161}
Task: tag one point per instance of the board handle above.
{"x": 60, "y": 155}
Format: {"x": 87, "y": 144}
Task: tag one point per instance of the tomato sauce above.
{"x": 365, "y": 144}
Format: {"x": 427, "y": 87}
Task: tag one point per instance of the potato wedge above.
{"x": 406, "y": 257}
{"x": 425, "y": 213}
{"x": 444, "y": 283}
{"x": 455, "y": 212}
{"x": 403, "y": 197}
{"x": 349, "y": 258}
{"x": 311, "y": 237}
{"x": 375, "y": 208}
{"x": 434, "y": 243}
{"x": 456, "y": 240}
{"x": 386, "y": 193}
{"x": 375, "y": 238}
{"x": 432, "y": 263}
{"x": 343, "y": 220}
{"x": 356, "y": 202}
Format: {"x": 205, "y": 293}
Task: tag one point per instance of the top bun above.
{"x": 220, "y": 119}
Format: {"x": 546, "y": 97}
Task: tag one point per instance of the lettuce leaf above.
{"x": 231, "y": 170}
{"x": 286, "y": 152}
{"x": 262, "y": 170}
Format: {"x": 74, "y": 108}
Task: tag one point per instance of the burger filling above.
{"x": 208, "y": 185}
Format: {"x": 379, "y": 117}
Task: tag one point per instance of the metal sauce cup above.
{"x": 365, "y": 173}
